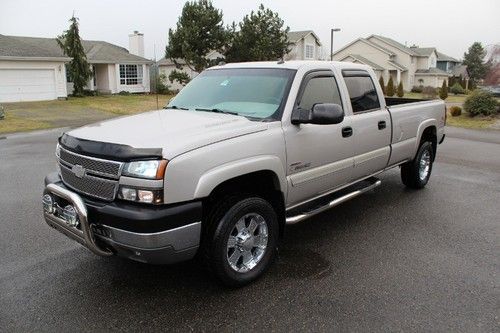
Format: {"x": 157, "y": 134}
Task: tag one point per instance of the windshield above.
{"x": 256, "y": 93}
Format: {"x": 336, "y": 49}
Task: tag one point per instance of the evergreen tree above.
{"x": 390, "y": 87}
{"x": 401, "y": 91}
{"x": 78, "y": 68}
{"x": 474, "y": 60}
{"x": 443, "y": 93}
{"x": 261, "y": 36}
{"x": 199, "y": 30}
{"x": 382, "y": 83}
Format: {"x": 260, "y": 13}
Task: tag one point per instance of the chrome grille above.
{"x": 93, "y": 186}
{"x": 92, "y": 165}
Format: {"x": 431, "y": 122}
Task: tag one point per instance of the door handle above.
{"x": 381, "y": 124}
{"x": 346, "y": 131}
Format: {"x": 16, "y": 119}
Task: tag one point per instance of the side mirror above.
{"x": 321, "y": 114}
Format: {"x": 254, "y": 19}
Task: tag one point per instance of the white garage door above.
{"x": 18, "y": 85}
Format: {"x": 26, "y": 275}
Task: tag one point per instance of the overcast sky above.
{"x": 449, "y": 25}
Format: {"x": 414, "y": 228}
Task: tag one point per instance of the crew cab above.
{"x": 243, "y": 150}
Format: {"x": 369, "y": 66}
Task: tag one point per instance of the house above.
{"x": 304, "y": 45}
{"x": 446, "y": 63}
{"x": 389, "y": 58}
{"x": 34, "y": 69}
{"x": 167, "y": 66}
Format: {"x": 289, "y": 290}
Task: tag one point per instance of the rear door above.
{"x": 371, "y": 124}
{"x": 319, "y": 157}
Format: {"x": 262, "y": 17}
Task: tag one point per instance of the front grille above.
{"x": 93, "y": 186}
{"x": 99, "y": 179}
{"x": 92, "y": 165}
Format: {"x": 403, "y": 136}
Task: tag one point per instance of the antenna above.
{"x": 155, "y": 66}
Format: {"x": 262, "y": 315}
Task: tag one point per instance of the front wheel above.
{"x": 415, "y": 174}
{"x": 240, "y": 240}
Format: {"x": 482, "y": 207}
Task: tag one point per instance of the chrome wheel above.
{"x": 247, "y": 242}
{"x": 425, "y": 165}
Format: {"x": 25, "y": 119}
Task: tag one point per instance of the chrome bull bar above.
{"x": 84, "y": 236}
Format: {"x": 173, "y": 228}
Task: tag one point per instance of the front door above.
{"x": 319, "y": 157}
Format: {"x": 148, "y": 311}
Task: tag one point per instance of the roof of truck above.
{"x": 295, "y": 64}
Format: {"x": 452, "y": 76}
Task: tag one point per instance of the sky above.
{"x": 449, "y": 25}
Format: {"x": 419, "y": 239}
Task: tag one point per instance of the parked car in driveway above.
{"x": 494, "y": 90}
{"x": 242, "y": 151}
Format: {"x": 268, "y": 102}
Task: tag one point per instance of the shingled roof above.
{"x": 295, "y": 36}
{"x": 98, "y": 52}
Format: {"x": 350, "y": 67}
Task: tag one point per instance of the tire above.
{"x": 236, "y": 255}
{"x": 415, "y": 174}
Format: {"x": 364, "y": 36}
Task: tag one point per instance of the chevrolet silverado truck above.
{"x": 242, "y": 151}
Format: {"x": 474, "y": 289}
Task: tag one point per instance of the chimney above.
{"x": 136, "y": 43}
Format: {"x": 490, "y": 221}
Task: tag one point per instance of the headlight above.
{"x": 154, "y": 169}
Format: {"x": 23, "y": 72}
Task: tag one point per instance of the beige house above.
{"x": 410, "y": 65}
{"x": 304, "y": 45}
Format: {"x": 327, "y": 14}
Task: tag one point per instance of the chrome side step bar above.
{"x": 342, "y": 196}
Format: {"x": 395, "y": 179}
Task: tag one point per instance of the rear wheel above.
{"x": 240, "y": 241}
{"x": 416, "y": 173}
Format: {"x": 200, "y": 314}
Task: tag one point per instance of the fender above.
{"x": 209, "y": 180}
{"x": 421, "y": 128}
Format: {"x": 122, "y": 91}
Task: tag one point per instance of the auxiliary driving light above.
{"x": 70, "y": 215}
{"x": 48, "y": 204}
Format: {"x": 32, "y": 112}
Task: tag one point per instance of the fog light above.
{"x": 70, "y": 215}
{"x": 128, "y": 193}
{"x": 48, "y": 204}
{"x": 145, "y": 196}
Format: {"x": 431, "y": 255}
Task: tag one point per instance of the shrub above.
{"x": 429, "y": 92}
{"x": 417, "y": 89}
{"x": 390, "y": 88}
{"x": 124, "y": 93}
{"x": 382, "y": 84}
{"x": 443, "y": 93}
{"x": 455, "y": 111}
{"x": 457, "y": 89}
{"x": 88, "y": 92}
{"x": 400, "y": 91}
{"x": 161, "y": 87}
{"x": 2, "y": 113}
{"x": 481, "y": 102}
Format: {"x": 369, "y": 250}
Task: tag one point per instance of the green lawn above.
{"x": 75, "y": 111}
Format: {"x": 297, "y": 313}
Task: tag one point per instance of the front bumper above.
{"x": 150, "y": 234}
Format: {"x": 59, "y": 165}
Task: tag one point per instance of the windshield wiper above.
{"x": 217, "y": 111}
{"x": 175, "y": 107}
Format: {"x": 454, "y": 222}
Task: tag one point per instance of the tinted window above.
{"x": 362, "y": 93}
{"x": 320, "y": 90}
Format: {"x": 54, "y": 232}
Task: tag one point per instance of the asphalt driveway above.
{"x": 390, "y": 260}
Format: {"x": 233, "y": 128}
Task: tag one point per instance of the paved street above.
{"x": 390, "y": 260}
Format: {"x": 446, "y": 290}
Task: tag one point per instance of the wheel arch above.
{"x": 427, "y": 131}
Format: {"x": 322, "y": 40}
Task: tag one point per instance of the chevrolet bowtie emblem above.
{"x": 78, "y": 170}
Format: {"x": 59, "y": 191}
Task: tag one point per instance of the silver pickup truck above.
{"x": 241, "y": 151}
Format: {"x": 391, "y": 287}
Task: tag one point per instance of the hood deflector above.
{"x": 109, "y": 151}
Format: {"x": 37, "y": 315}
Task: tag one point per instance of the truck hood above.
{"x": 174, "y": 131}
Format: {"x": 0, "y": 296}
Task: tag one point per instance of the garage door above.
{"x": 18, "y": 85}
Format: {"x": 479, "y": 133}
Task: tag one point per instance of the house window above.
{"x": 130, "y": 75}
{"x": 309, "y": 51}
